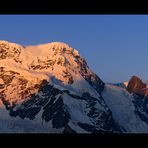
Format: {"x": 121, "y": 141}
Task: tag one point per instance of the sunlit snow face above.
{"x": 44, "y": 62}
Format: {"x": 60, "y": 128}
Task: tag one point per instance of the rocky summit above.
{"x": 136, "y": 86}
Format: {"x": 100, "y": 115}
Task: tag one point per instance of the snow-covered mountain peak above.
{"x": 52, "y": 82}
{"x": 55, "y": 48}
{"x": 50, "y": 88}
{"x": 54, "y": 62}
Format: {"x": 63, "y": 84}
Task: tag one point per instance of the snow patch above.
{"x": 76, "y": 108}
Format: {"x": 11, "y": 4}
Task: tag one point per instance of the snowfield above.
{"x": 122, "y": 108}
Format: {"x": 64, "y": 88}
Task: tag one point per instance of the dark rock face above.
{"x": 136, "y": 86}
{"x": 50, "y": 102}
{"x": 91, "y": 78}
{"x": 141, "y": 107}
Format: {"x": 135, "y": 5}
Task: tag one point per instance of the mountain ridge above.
{"x": 40, "y": 79}
{"x": 50, "y": 88}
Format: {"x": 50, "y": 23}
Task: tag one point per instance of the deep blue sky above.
{"x": 115, "y": 46}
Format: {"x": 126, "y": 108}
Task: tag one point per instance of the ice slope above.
{"x": 120, "y": 103}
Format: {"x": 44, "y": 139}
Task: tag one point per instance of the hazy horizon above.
{"x": 114, "y": 46}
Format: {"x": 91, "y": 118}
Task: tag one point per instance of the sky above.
{"x": 114, "y": 46}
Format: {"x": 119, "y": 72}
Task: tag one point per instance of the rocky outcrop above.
{"x": 136, "y": 86}
{"x": 11, "y": 51}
